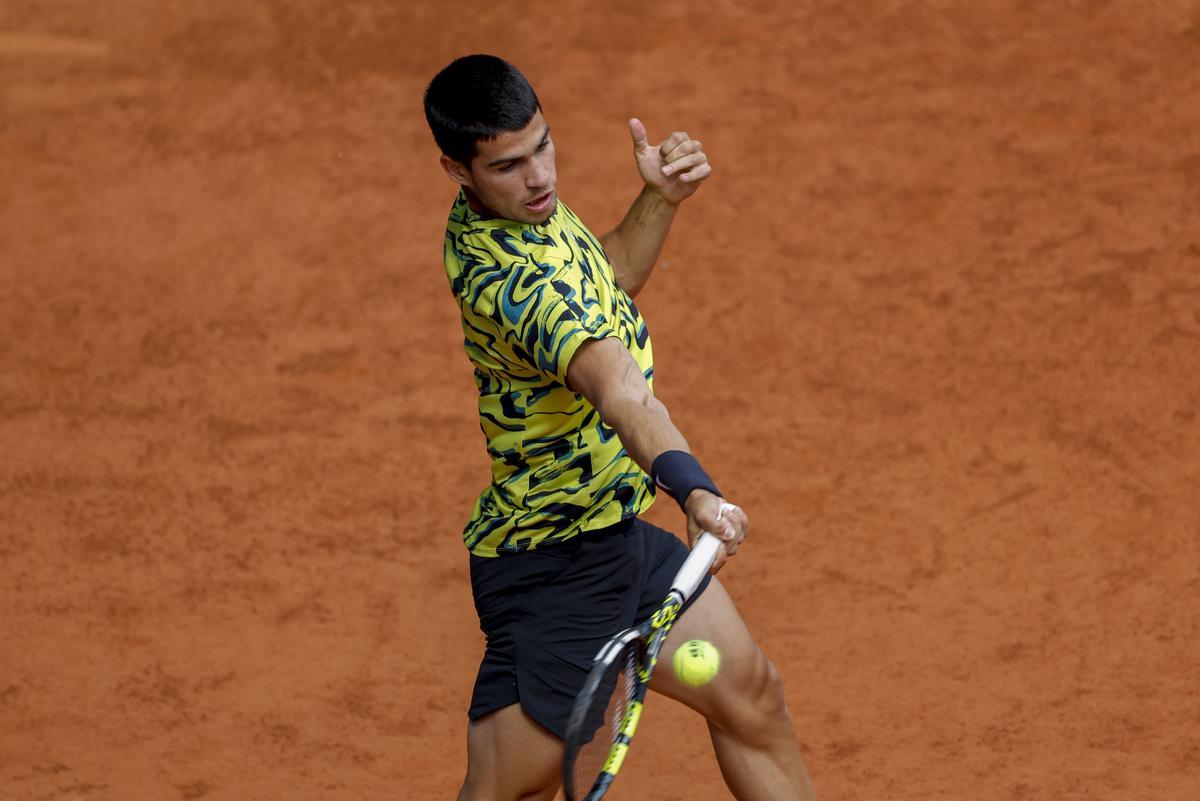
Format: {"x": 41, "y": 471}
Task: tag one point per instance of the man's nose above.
{"x": 537, "y": 175}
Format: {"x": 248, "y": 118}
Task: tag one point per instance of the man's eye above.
{"x": 508, "y": 167}
{"x": 544, "y": 145}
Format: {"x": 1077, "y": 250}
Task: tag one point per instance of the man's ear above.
{"x": 457, "y": 171}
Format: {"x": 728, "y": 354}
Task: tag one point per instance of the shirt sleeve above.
{"x": 546, "y": 322}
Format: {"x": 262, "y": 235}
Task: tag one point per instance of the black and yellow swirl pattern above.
{"x": 530, "y": 296}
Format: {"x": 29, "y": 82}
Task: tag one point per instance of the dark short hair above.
{"x": 477, "y": 97}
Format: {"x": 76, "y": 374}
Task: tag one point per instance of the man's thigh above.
{"x": 510, "y": 757}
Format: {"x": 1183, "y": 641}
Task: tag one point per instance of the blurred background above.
{"x": 934, "y": 322}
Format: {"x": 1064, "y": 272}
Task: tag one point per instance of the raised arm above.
{"x": 672, "y": 171}
{"x": 604, "y": 372}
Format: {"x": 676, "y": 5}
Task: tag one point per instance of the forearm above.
{"x": 644, "y": 427}
{"x": 633, "y": 247}
{"x": 653, "y": 441}
{"x": 604, "y": 372}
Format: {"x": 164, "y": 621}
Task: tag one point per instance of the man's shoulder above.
{"x": 575, "y": 227}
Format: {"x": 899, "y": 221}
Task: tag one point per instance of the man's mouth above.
{"x": 541, "y": 202}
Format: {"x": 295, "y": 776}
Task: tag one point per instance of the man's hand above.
{"x": 712, "y": 513}
{"x": 674, "y": 168}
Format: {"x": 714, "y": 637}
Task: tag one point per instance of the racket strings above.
{"x": 603, "y": 722}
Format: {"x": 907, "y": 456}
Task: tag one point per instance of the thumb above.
{"x": 638, "y": 132}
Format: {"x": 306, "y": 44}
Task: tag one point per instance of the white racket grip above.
{"x": 698, "y": 562}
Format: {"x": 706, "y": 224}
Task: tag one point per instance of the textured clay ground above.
{"x": 935, "y": 322}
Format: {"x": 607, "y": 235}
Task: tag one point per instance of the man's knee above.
{"x": 755, "y": 710}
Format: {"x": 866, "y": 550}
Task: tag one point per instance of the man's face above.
{"x": 512, "y": 176}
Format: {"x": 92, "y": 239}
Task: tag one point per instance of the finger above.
{"x": 737, "y": 519}
{"x": 684, "y": 164}
{"x": 720, "y": 529}
{"x": 725, "y": 529}
{"x": 697, "y": 175}
{"x": 638, "y": 132}
{"x": 744, "y": 521}
{"x": 729, "y": 549}
{"x": 736, "y": 515}
{"x": 671, "y": 142}
{"x": 719, "y": 562}
{"x": 683, "y": 149}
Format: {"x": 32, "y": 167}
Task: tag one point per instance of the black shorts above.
{"x": 546, "y": 613}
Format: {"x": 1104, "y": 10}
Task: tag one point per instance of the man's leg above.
{"x": 748, "y": 719}
{"x": 511, "y": 758}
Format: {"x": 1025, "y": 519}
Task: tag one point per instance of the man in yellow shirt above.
{"x": 563, "y": 363}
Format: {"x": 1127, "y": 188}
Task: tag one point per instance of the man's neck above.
{"x": 477, "y": 205}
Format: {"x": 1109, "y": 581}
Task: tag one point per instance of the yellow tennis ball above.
{"x": 696, "y": 662}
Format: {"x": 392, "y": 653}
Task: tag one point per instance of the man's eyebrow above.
{"x": 513, "y": 159}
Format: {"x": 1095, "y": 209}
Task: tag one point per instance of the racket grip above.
{"x": 696, "y": 567}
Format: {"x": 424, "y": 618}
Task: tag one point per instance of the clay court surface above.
{"x": 934, "y": 322}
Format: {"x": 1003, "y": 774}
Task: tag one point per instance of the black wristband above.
{"x": 679, "y": 473}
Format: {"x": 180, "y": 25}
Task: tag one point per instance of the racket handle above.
{"x": 696, "y": 567}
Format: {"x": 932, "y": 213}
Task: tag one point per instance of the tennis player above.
{"x": 559, "y": 559}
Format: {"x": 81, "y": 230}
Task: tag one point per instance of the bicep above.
{"x": 603, "y": 370}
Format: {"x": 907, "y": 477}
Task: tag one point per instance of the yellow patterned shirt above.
{"x": 530, "y": 296}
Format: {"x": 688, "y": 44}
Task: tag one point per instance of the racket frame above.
{"x": 653, "y": 634}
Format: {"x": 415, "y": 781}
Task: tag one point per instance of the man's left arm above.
{"x": 672, "y": 171}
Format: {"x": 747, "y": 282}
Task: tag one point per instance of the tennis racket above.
{"x": 608, "y": 708}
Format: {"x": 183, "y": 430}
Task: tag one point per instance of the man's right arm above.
{"x": 604, "y": 372}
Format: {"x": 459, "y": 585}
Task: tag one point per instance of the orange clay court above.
{"x": 934, "y": 322}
